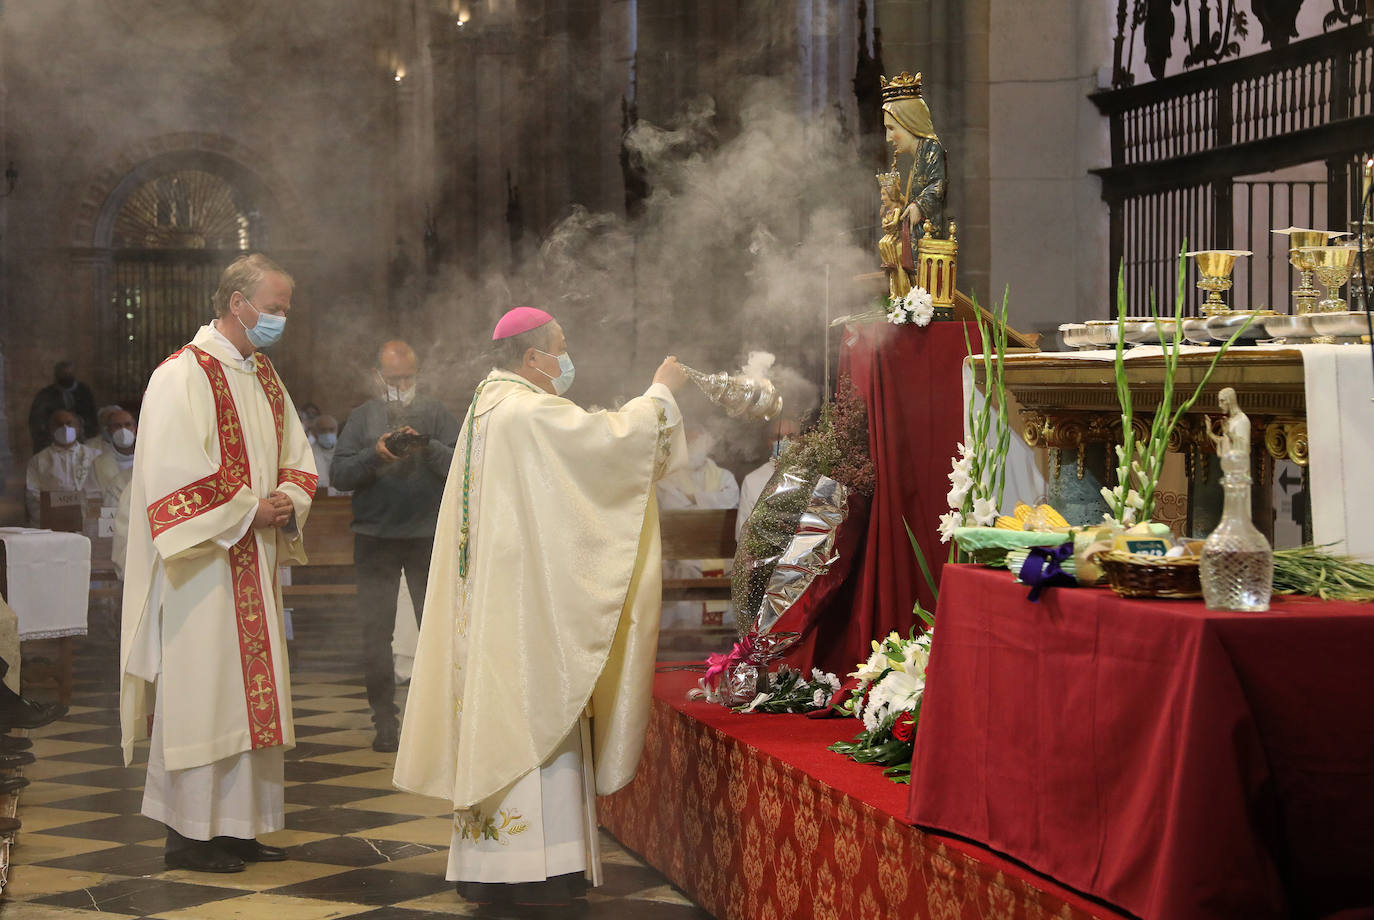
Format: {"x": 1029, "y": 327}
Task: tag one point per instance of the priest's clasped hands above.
{"x": 273, "y": 511}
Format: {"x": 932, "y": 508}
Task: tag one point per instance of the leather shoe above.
{"x": 12, "y": 784}
{"x": 21, "y": 712}
{"x": 10, "y": 744}
{"x": 388, "y": 739}
{"x": 202, "y": 856}
{"x": 250, "y": 850}
{"x": 9, "y": 825}
{"x": 16, "y": 760}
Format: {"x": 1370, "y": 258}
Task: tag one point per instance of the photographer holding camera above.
{"x": 393, "y": 454}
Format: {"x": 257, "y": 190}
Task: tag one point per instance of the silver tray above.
{"x": 1347, "y": 324}
{"x": 1074, "y": 335}
{"x": 1286, "y": 326}
{"x": 1222, "y": 327}
{"x": 1195, "y": 331}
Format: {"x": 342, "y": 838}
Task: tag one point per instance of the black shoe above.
{"x": 10, "y": 744}
{"x": 21, "y": 712}
{"x": 250, "y": 850}
{"x": 8, "y": 825}
{"x": 202, "y": 856}
{"x": 9, "y": 785}
{"x": 553, "y": 892}
{"x": 16, "y": 760}
{"x": 388, "y": 738}
{"x": 484, "y": 893}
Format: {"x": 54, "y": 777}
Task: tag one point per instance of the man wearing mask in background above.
{"x": 324, "y": 431}
{"x": 65, "y": 465}
{"x": 65, "y": 392}
{"x": 753, "y": 484}
{"x": 115, "y": 467}
{"x": 101, "y": 439}
{"x": 222, "y": 486}
{"x": 393, "y": 456}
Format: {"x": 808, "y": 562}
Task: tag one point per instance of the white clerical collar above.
{"x": 248, "y": 364}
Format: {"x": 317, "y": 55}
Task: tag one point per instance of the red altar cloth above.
{"x": 754, "y": 819}
{"x": 1175, "y": 761}
{"x": 910, "y": 379}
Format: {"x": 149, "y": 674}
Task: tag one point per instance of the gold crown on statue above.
{"x": 889, "y": 180}
{"x": 902, "y": 86}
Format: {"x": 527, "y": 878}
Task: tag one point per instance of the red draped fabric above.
{"x": 1177, "y": 762}
{"x": 754, "y": 819}
{"x": 910, "y": 380}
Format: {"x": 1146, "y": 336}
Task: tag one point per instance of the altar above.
{"x": 1174, "y": 761}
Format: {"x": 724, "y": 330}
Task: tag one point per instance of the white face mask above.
{"x": 327, "y": 440}
{"x": 564, "y": 380}
{"x": 404, "y": 397}
{"x": 124, "y": 438}
{"x": 64, "y": 435}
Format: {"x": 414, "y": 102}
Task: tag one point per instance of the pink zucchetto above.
{"x": 518, "y": 320}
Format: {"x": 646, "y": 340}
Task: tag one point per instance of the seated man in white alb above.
{"x": 65, "y": 465}
{"x": 115, "y": 467}
{"x": 701, "y": 484}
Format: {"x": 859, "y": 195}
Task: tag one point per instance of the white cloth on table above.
{"x": 532, "y": 830}
{"x": 49, "y": 575}
{"x": 1339, "y": 380}
{"x": 238, "y": 796}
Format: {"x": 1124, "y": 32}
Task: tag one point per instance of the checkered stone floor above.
{"x": 359, "y": 849}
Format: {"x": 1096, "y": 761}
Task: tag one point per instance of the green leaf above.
{"x": 925, "y": 569}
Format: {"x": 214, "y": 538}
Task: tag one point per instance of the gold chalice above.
{"x": 1332, "y": 266}
{"x": 1215, "y": 265}
{"x": 1299, "y": 238}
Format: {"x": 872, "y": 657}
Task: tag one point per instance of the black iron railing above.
{"x": 1179, "y": 144}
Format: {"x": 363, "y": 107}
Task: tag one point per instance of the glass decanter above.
{"x": 1237, "y": 562}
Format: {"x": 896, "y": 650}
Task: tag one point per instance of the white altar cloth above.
{"x": 49, "y": 577}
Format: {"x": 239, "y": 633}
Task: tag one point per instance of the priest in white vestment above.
{"x": 114, "y": 468}
{"x": 542, "y": 611}
{"x": 222, "y": 484}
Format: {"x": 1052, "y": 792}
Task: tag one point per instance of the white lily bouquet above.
{"x": 887, "y": 700}
{"x": 916, "y": 306}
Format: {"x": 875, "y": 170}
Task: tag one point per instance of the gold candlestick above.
{"x": 1215, "y": 265}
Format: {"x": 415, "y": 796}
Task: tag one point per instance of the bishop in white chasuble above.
{"x": 222, "y": 484}
{"x": 546, "y": 581}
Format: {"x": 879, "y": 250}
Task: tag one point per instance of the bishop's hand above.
{"x": 671, "y": 374}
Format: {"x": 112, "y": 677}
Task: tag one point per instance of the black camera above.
{"x": 402, "y": 443}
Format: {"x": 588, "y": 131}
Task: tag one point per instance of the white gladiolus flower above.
{"x": 984, "y": 512}
{"x": 948, "y": 522}
{"x": 1133, "y": 500}
{"x": 957, "y": 493}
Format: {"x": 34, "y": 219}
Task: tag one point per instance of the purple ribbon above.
{"x": 1042, "y": 570}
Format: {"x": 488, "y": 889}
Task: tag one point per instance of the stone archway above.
{"x": 155, "y": 228}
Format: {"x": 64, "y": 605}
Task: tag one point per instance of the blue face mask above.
{"x": 268, "y": 329}
{"x": 327, "y": 440}
{"x": 563, "y": 380}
